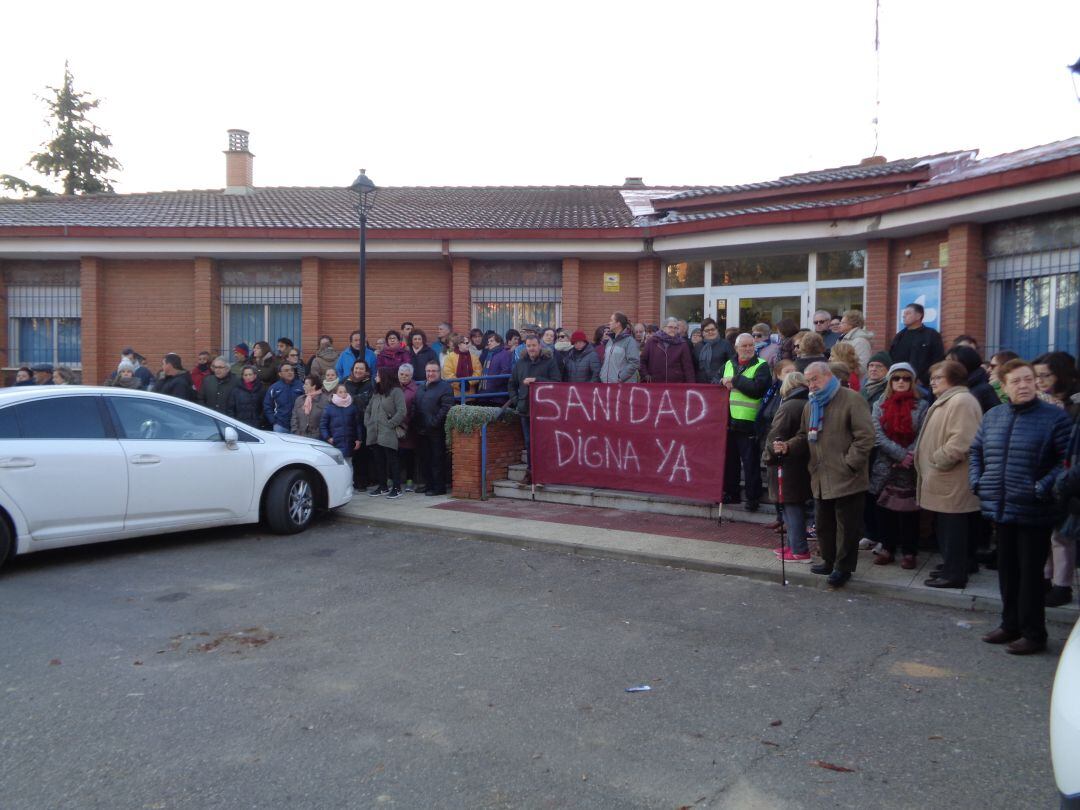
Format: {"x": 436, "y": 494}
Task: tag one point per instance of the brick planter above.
{"x": 504, "y": 446}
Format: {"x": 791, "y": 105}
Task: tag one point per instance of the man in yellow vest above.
{"x": 747, "y": 378}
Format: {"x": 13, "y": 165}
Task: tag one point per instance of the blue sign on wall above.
{"x": 923, "y": 287}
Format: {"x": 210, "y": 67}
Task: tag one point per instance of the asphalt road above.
{"x": 353, "y": 667}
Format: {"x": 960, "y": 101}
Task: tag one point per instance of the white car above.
{"x": 1065, "y": 722}
{"x": 80, "y": 464}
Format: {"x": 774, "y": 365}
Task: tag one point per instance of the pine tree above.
{"x": 77, "y": 152}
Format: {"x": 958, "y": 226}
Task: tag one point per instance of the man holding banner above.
{"x": 536, "y": 365}
{"x": 747, "y": 377}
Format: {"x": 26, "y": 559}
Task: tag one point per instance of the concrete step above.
{"x": 627, "y": 501}
{"x": 516, "y": 472}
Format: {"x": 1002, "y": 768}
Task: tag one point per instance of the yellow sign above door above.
{"x": 611, "y": 282}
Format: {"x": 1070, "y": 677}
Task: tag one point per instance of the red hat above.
{"x": 578, "y": 335}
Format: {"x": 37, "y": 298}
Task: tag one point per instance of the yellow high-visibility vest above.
{"x": 741, "y": 406}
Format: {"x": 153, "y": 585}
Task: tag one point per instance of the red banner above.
{"x": 667, "y": 439}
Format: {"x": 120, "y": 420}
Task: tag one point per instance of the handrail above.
{"x": 463, "y": 393}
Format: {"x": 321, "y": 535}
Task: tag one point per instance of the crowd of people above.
{"x": 861, "y": 450}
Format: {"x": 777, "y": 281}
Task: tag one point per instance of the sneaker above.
{"x": 375, "y": 492}
{"x": 409, "y": 488}
{"x": 790, "y": 557}
{"x": 394, "y": 493}
{"x": 879, "y": 548}
{"x": 811, "y": 531}
{"x": 866, "y": 544}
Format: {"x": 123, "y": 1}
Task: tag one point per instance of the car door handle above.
{"x": 145, "y": 458}
{"x": 15, "y": 462}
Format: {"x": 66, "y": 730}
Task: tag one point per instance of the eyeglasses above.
{"x": 1046, "y": 375}
{"x": 709, "y": 329}
{"x": 816, "y": 321}
{"x": 218, "y": 365}
{"x": 937, "y": 378}
{"x": 899, "y": 378}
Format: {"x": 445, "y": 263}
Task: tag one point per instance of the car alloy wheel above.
{"x": 301, "y": 502}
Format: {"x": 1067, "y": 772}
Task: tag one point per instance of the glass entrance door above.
{"x": 742, "y": 307}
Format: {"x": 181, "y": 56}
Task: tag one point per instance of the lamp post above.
{"x": 365, "y": 191}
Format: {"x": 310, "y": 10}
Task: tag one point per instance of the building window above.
{"x": 249, "y": 314}
{"x": 45, "y": 326}
{"x": 759, "y": 270}
{"x": 506, "y": 294}
{"x": 841, "y": 264}
{"x": 684, "y": 275}
{"x": 839, "y": 300}
{"x": 685, "y": 307}
{"x": 1033, "y": 303}
{"x": 503, "y": 308}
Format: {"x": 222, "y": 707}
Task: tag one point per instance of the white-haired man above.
{"x": 839, "y": 434}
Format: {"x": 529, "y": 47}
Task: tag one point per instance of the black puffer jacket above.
{"x": 247, "y": 406}
{"x": 709, "y": 359}
{"x": 1067, "y": 489}
{"x": 583, "y": 366}
{"x": 433, "y": 402}
{"x": 1016, "y": 458}
{"x": 178, "y": 385}
{"x": 978, "y": 384}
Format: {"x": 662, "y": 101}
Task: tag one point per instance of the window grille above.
{"x": 1033, "y": 302}
{"x": 253, "y": 313}
{"x": 503, "y": 308}
{"x": 44, "y": 325}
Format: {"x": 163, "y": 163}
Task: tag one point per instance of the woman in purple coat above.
{"x": 393, "y": 355}
{"x": 500, "y": 360}
{"x": 666, "y": 356}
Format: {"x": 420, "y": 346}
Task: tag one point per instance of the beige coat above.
{"x": 840, "y": 458}
{"x": 942, "y": 452}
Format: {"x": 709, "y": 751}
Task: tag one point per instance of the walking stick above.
{"x": 783, "y": 525}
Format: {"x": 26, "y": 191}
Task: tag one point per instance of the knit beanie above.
{"x": 881, "y": 357}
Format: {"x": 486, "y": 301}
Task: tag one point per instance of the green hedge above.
{"x": 467, "y": 418}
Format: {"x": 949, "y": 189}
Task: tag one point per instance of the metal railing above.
{"x": 464, "y": 394}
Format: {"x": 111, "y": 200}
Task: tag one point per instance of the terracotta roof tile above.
{"x": 510, "y": 207}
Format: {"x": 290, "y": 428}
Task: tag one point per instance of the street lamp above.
{"x": 1074, "y": 68}
{"x": 365, "y": 191}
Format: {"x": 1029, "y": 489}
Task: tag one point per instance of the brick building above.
{"x": 992, "y": 246}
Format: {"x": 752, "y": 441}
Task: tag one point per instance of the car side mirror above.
{"x": 231, "y": 437}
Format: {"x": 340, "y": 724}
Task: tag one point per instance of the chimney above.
{"x": 875, "y": 160}
{"x": 238, "y": 164}
{"x": 634, "y": 182}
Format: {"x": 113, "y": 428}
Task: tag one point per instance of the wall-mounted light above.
{"x": 907, "y": 253}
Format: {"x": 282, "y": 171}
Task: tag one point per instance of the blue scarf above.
{"x": 818, "y": 401}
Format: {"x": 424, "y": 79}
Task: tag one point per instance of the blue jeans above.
{"x": 281, "y": 429}
{"x": 795, "y": 527}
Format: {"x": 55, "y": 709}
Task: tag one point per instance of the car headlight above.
{"x": 333, "y": 452}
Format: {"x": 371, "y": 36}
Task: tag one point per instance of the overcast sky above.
{"x": 583, "y": 92}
